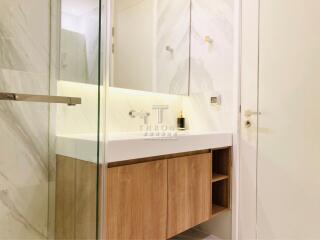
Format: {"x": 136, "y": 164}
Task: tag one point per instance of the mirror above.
{"x": 151, "y": 45}
{"x": 79, "y": 41}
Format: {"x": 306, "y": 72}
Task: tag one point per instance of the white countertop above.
{"x": 78, "y": 146}
{"x": 126, "y": 146}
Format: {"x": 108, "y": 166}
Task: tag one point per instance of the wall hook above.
{"x": 208, "y": 39}
{"x": 169, "y": 49}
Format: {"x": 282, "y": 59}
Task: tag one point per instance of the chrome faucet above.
{"x": 143, "y": 115}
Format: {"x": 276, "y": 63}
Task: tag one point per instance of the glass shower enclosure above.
{"x": 50, "y": 119}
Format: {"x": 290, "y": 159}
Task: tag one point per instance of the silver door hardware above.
{"x": 169, "y": 49}
{"x": 208, "y": 39}
{"x": 249, "y": 113}
{"x": 70, "y": 101}
{"x": 248, "y": 124}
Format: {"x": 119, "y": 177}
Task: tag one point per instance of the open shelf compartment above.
{"x": 221, "y": 161}
{"x": 220, "y": 196}
{"x": 221, "y": 178}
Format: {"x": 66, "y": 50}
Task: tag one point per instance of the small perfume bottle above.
{"x": 181, "y": 123}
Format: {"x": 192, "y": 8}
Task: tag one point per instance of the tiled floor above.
{"x": 194, "y": 234}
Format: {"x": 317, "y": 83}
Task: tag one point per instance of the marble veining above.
{"x": 173, "y": 31}
{"x": 211, "y": 65}
{"x": 24, "y": 68}
{"x": 29, "y": 51}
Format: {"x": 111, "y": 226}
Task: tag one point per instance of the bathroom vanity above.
{"x": 155, "y": 188}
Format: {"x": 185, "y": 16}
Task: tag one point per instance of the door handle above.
{"x": 70, "y": 101}
{"x": 249, "y": 113}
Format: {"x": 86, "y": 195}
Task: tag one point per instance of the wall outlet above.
{"x": 216, "y": 100}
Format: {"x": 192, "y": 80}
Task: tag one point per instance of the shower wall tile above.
{"x": 24, "y": 27}
{"x": 24, "y": 68}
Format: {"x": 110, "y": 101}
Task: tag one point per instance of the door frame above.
{"x": 248, "y": 136}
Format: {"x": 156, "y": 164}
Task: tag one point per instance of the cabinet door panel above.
{"x": 189, "y": 192}
{"x": 137, "y": 201}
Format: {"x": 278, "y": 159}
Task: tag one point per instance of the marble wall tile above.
{"x": 211, "y": 65}
{"x": 172, "y": 31}
{"x": 24, "y": 68}
{"x": 24, "y": 35}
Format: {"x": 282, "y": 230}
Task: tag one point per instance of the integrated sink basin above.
{"x": 135, "y": 145}
{"x": 123, "y": 147}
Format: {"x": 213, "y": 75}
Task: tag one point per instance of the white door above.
{"x": 248, "y": 139}
{"x": 283, "y": 176}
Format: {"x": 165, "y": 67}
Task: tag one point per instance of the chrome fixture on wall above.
{"x": 143, "y": 115}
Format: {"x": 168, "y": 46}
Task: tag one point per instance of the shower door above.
{"x": 285, "y": 118}
{"x": 49, "y": 119}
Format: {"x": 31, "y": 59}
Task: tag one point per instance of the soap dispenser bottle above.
{"x": 181, "y": 123}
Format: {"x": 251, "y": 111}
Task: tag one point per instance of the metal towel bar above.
{"x": 70, "y": 101}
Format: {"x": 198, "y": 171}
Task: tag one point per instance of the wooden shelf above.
{"x": 216, "y": 209}
{"x": 219, "y": 177}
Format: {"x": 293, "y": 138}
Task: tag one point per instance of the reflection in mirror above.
{"x": 79, "y": 41}
{"x": 151, "y": 42}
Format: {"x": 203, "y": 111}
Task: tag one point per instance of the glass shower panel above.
{"x": 49, "y": 119}
{"x": 76, "y": 127}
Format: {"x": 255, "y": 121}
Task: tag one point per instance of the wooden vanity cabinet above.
{"x": 137, "y": 201}
{"x": 161, "y": 198}
{"x": 189, "y": 192}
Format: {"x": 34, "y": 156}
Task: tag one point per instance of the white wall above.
{"x": 134, "y": 53}
{"x": 122, "y": 101}
{"x": 79, "y": 44}
{"x": 81, "y": 118}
